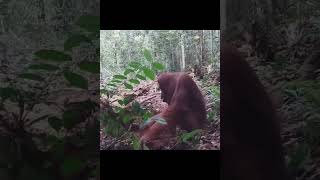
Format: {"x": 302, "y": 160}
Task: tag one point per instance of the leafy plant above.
{"x": 137, "y": 72}
{"x": 50, "y": 66}
{"x": 190, "y": 136}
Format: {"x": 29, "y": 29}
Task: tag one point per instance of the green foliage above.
{"x": 89, "y": 23}
{"x": 31, "y": 77}
{"x": 47, "y": 67}
{"x": 149, "y": 73}
{"x": 134, "y": 71}
{"x": 76, "y": 80}
{"x": 119, "y": 77}
{"x": 75, "y": 41}
{"x": 135, "y": 65}
{"x": 211, "y": 115}
{"x": 134, "y": 81}
{"x": 127, "y": 71}
{"x": 190, "y": 136}
{"x": 50, "y": 66}
{"x": 128, "y": 86}
{"x": 92, "y": 67}
{"x": 136, "y": 143}
{"x": 158, "y": 66}
{"x": 52, "y": 55}
{"x": 139, "y": 76}
{"x": 147, "y": 55}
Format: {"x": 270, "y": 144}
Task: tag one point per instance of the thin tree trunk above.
{"x": 183, "y": 61}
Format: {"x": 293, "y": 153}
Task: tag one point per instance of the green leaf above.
{"x": 186, "y": 136}
{"x": 127, "y": 100}
{"x": 139, "y": 76}
{"x": 119, "y": 77}
{"x": 136, "y": 107}
{"x": 116, "y": 81}
{"x": 134, "y": 81}
{"x": 76, "y": 80}
{"x": 149, "y": 73}
{"x": 135, "y": 65}
{"x": 47, "y": 67}
{"x": 158, "y": 66}
{"x": 74, "y": 41}
{"x": 128, "y": 86}
{"x": 55, "y": 123}
{"x": 113, "y": 85}
{"x": 136, "y": 143}
{"x": 126, "y": 119}
{"x": 127, "y": 71}
{"x": 89, "y": 23}
{"x": 147, "y": 55}
{"x": 92, "y": 67}
{"x": 121, "y": 102}
{"x": 31, "y": 77}
{"x": 72, "y": 166}
{"x": 52, "y": 55}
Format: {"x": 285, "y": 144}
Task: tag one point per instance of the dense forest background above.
{"x": 281, "y": 41}
{"x": 130, "y": 60}
{"x": 49, "y": 53}
{"x": 177, "y": 50}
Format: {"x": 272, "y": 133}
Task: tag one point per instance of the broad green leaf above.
{"x": 110, "y": 84}
{"x": 185, "y": 137}
{"x": 72, "y": 166}
{"x": 47, "y": 67}
{"x": 128, "y": 86}
{"x": 135, "y": 65}
{"x": 121, "y": 102}
{"x": 127, "y": 71}
{"x": 55, "y": 123}
{"x": 149, "y": 73}
{"x": 92, "y": 67}
{"x": 76, "y": 80}
{"x": 139, "y": 76}
{"x": 31, "y": 77}
{"x": 158, "y": 66}
{"x": 52, "y": 55}
{"x": 115, "y": 81}
{"x": 134, "y": 81}
{"x": 147, "y": 55}
{"x": 119, "y": 77}
{"x": 75, "y": 40}
{"x": 127, "y": 100}
{"x": 89, "y": 23}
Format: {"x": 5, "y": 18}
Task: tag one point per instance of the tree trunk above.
{"x": 183, "y": 61}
